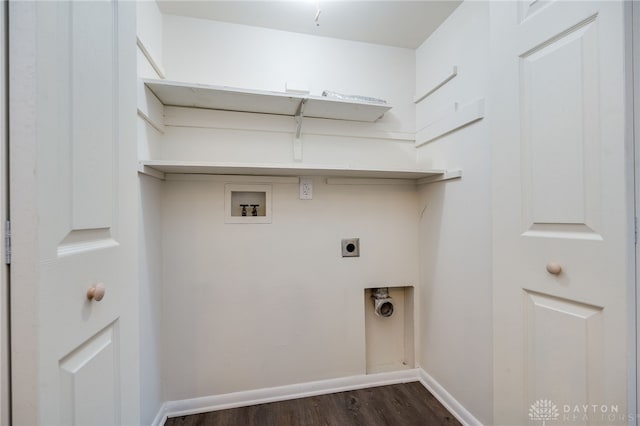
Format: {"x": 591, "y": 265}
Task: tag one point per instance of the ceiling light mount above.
{"x": 317, "y": 17}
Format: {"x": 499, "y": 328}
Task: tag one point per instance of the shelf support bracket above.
{"x": 297, "y": 143}
{"x": 447, "y": 175}
{"x": 150, "y": 171}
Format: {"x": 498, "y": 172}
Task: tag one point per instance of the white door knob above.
{"x": 96, "y": 292}
{"x": 554, "y": 268}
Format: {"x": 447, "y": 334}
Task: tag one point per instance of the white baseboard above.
{"x": 322, "y": 387}
{"x": 448, "y": 401}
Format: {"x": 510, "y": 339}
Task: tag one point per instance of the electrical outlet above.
{"x": 306, "y": 189}
{"x": 351, "y": 247}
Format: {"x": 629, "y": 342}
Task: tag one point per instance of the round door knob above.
{"x": 96, "y": 292}
{"x": 554, "y": 268}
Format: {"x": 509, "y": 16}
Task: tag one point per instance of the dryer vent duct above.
{"x": 382, "y": 303}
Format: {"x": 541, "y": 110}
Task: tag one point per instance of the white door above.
{"x": 73, "y": 212}
{"x": 562, "y": 197}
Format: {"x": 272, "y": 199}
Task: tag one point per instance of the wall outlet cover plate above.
{"x": 306, "y": 189}
{"x": 351, "y": 247}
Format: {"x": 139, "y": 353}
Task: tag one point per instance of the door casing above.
{"x": 5, "y": 373}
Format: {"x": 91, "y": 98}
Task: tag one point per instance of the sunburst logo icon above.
{"x": 545, "y": 410}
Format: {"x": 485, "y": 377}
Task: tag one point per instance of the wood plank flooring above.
{"x": 407, "y": 404}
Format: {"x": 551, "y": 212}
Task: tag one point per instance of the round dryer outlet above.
{"x": 351, "y": 247}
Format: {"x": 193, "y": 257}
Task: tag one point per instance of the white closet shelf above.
{"x": 172, "y": 93}
{"x": 273, "y": 169}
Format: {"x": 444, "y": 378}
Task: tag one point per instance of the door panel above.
{"x": 92, "y": 26}
{"x": 528, "y": 9}
{"x": 564, "y": 339}
{"x": 90, "y": 132}
{"x": 561, "y": 194}
{"x": 559, "y": 133}
{"x": 89, "y": 387}
{"x": 73, "y": 176}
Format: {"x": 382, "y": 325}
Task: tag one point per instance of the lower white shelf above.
{"x": 157, "y": 168}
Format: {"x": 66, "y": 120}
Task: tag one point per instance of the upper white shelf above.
{"x": 190, "y": 167}
{"x": 231, "y": 99}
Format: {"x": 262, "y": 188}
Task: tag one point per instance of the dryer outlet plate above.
{"x": 351, "y": 247}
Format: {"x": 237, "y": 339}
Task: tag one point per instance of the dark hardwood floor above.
{"x": 408, "y": 404}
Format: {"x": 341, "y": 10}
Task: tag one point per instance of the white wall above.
{"x": 149, "y": 32}
{"x": 248, "y": 306}
{"x": 455, "y": 228}
{"x": 252, "y": 306}
{"x": 150, "y": 279}
{"x": 219, "y": 136}
{"x": 234, "y": 55}
{"x": 225, "y": 54}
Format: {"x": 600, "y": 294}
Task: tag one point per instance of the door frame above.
{"x": 5, "y": 372}
{"x": 633, "y": 9}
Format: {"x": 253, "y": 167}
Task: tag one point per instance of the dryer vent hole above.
{"x": 386, "y": 309}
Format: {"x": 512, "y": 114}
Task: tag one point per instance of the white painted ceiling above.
{"x": 392, "y": 23}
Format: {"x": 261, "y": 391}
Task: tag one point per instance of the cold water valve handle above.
{"x": 254, "y": 212}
